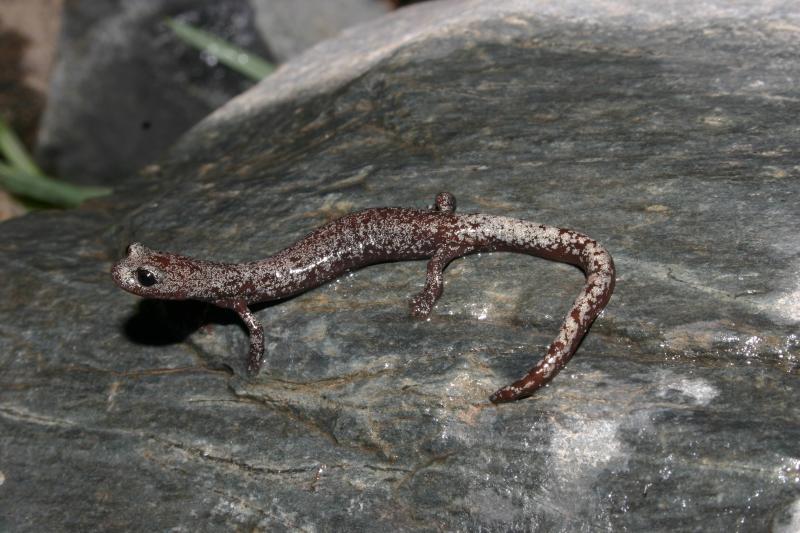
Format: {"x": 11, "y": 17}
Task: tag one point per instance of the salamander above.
{"x": 381, "y": 235}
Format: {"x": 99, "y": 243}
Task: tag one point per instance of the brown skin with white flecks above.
{"x": 377, "y": 236}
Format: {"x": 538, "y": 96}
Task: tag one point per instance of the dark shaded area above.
{"x": 163, "y": 322}
{"x": 403, "y": 3}
{"x": 125, "y": 87}
{"x": 169, "y": 322}
{"x": 231, "y": 22}
{"x": 20, "y": 105}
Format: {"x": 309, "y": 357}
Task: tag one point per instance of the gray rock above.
{"x": 666, "y": 131}
{"x": 292, "y": 26}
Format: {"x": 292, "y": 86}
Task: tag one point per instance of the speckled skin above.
{"x": 377, "y": 236}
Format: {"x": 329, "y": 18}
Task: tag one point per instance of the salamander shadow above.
{"x": 163, "y": 322}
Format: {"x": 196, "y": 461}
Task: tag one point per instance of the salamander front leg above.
{"x": 422, "y": 304}
{"x": 256, "y": 352}
{"x": 445, "y": 202}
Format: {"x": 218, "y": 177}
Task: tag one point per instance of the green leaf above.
{"x": 232, "y": 56}
{"x": 47, "y": 190}
{"x": 12, "y": 149}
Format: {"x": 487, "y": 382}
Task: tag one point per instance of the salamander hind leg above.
{"x": 422, "y": 304}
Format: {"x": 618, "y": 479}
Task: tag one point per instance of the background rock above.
{"x": 292, "y": 26}
{"x": 27, "y": 46}
{"x": 125, "y": 87}
{"x": 668, "y": 134}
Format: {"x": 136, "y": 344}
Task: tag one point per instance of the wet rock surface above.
{"x": 669, "y": 135}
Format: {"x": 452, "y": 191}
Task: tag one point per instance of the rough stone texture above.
{"x": 668, "y": 133}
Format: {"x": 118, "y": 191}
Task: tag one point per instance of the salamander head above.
{"x": 152, "y": 274}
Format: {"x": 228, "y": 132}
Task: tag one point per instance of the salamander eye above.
{"x": 145, "y": 277}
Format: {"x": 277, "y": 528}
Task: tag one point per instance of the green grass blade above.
{"x": 233, "y": 57}
{"x": 14, "y": 152}
{"x": 47, "y": 190}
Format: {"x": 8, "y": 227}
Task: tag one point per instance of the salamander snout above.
{"x": 152, "y": 274}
